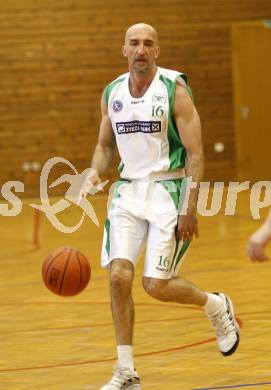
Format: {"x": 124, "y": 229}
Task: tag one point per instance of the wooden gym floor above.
{"x": 54, "y": 343}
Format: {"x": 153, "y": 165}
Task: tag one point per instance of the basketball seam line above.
{"x": 49, "y": 266}
{"x": 64, "y": 272}
{"x": 81, "y": 274}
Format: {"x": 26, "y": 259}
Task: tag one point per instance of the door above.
{"x": 252, "y": 99}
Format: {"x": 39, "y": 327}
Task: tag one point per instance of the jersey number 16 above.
{"x": 157, "y": 111}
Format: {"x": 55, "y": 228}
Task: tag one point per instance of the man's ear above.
{"x": 157, "y": 52}
{"x": 124, "y": 51}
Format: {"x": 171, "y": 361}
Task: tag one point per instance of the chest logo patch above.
{"x": 157, "y": 98}
{"x": 117, "y": 106}
{"x": 138, "y": 127}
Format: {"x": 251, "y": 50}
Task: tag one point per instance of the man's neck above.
{"x": 140, "y": 82}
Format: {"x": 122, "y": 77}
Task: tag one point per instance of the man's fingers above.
{"x": 185, "y": 235}
{"x": 91, "y": 185}
{"x": 181, "y": 235}
{"x": 260, "y": 255}
{"x": 256, "y": 253}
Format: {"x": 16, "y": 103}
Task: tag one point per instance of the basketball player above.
{"x": 149, "y": 114}
{"x": 259, "y": 240}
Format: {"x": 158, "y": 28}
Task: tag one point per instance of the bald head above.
{"x": 141, "y": 48}
{"x": 141, "y": 28}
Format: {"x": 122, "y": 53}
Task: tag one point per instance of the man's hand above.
{"x": 257, "y": 243}
{"x": 92, "y": 184}
{"x": 187, "y": 226}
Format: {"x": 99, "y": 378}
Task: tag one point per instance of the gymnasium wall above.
{"x": 57, "y": 56}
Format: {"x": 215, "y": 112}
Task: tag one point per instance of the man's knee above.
{"x": 156, "y": 288}
{"x": 121, "y": 274}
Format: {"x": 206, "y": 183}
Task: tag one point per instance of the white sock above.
{"x": 125, "y": 356}
{"x": 214, "y": 303}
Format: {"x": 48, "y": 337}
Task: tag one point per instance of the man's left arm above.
{"x": 259, "y": 240}
{"x": 189, "y": 127}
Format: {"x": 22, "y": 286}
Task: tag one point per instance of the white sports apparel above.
{"x": 225, "y": 325}
{"x": 146, "y": 134}
{"x": 144, "y": 213}
{"x": 123, "y": 379}
{"x": 144, "y": 209}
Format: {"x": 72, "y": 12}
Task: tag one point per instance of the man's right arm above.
{"x": 102, "y": 156}
{"x": 104, "y": 150}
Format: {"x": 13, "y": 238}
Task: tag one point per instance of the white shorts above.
{"x": 144, "y": 214}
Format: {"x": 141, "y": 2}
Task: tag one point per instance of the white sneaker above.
{"x": 123, "y": 378}
{"x": 226, "y": 327}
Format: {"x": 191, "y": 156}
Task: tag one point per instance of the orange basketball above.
{"x": 66, "y": 271}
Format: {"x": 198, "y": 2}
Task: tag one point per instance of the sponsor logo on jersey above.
{"x": 138, "y": 127}
{"x": 157, "y": 98}
{"x": 117, "y": 106}
{"x": 137, "y": 101}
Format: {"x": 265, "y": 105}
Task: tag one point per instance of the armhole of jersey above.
{"x": 109, "y": 87}
{"x": 183, "y": 80}
{"x": 107, "y": 93}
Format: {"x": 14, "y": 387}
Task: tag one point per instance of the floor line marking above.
{"x": 234, "y": 386}
{"x": 202, "y": 342}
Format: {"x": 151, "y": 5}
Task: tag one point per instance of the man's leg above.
{"x": 122, "y": 305}
{"x": 175, "y": 290}
{"x": 217, "y": 306}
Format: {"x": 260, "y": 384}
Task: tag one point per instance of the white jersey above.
{"x": 146, "y": 134}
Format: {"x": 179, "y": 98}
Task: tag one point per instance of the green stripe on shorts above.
{"x": 173, "y": 187}
{"x": 175, "y": 253}
{"x": 107, "y": 228}
{"x": 181, "y": 253}
{"x": 115, "y": 195}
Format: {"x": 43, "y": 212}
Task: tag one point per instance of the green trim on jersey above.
{"x": 120, "y": 167}
{"x": 177, "y": 152}
{"x": 190, "y": 93}
{"x": 109, "y": 87}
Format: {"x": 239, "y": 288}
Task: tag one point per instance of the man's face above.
{"x": 141, "y": 49}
